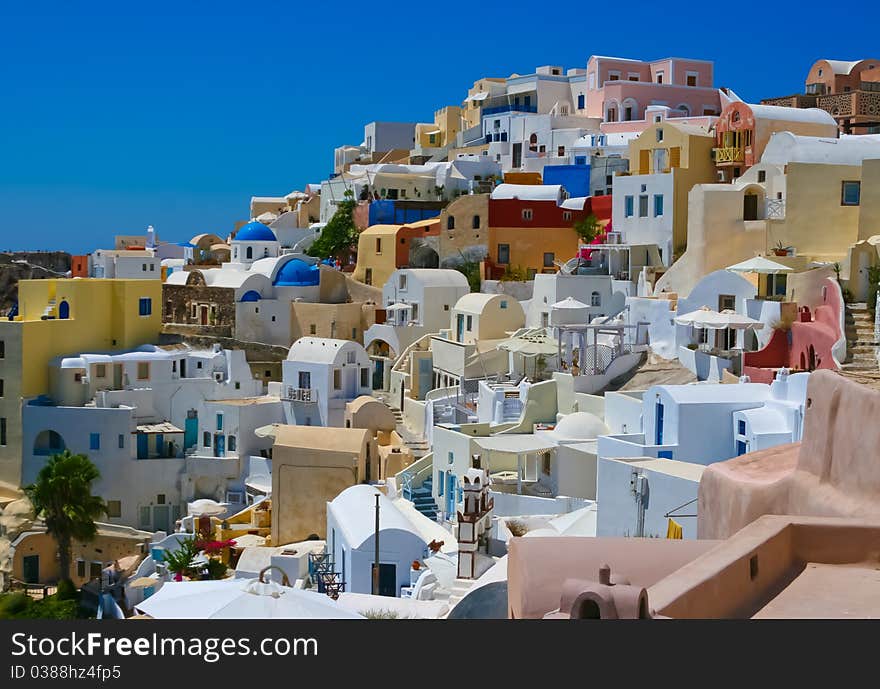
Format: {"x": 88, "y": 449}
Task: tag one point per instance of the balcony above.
{"x": 852, "y": 104}
{"x": 510, "y": 107}
{"x": 729, "y": 154}
{"x": 306, "y": 395}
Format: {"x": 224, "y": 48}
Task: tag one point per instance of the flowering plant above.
{"x": 214, "y": 547}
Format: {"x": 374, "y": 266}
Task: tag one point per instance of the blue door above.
{"x": 219, "y": 445}
{"x": 160, "y": 441}
{"x": 450, "y": 493}
{"x": 64, "y": 310}
{"x": 460, "y": 328}
{"x": 658, "y": 431}
{"x": 143, "y": 449}
{"x": 191, "y": 431}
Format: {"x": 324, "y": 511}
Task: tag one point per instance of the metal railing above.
{"x": 293, "y": 394}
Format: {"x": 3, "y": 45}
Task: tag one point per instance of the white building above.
{"x": 320, "y": 375}
{"x": 139, "y": 264}
{"x": 351, "y": 540}
{"x": 637, "y": 496}
{"x": 701, "y": 423}
{"x": 136, "y": 416}
{"x": 597, "y": 292}
{"x": 642, "y": 209}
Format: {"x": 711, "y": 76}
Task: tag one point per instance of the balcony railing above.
{"x": 729, "y": 154}
{"x": 292, "y": 394}
{"x": 511, "y": 107}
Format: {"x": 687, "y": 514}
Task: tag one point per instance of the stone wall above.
{"x": 214, "y": 307}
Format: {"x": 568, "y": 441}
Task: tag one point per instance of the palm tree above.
{"x": 62, "y": 494}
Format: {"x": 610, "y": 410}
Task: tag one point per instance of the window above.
{"x": 613, "y": 76}
{"x": 527, "y": 214}
{"x": 581, "y": 102}
{"x": 145, "y": 306}
{"x": 432, "y": 138}
{"x": 145, "y": 268}
{"x": 114, "y": 508}
{"x": 762, "y": 176}
{"x": 659, "y": 77}
{"x": 231, "y": 443}
{"x": 659, "y": 134}
{"x": 1, "y": 387}
{"x": 152, "y": 267}
{"x": 143, "y": 370}
{"x": 475, "y": 222}
{"x": 628, "y": 206}
{"x": 313, "y": 329}
{"x": 81, "y": 569}
{"x": 470, "y": 323}
{"x": 403, "y": 281}
{"x": 121, "y": 441}
{"x": 219, "y": 422}
{"x": 378, "y": 245}
{"x": 545, "y": 463}
{"x": 566, "y": 215}
{"x": 658, "y": 205}
{"x": 94, "y": 441}
{"x": 305, "y": 380}
{"x": 691, "y": 79}
{"x": 504, "y": 254}
{"x": 337, "y": 379}
{"x": 560, "y": 151}
{"x": 2, "y": 349}
{"x": 741, "y": 427}
{"x": 504, "y": 303}
{"x": 354, "y": 333}
{"x": 595, "y": 299}
{"x": 206, "y": 439}
{"x": 2, "y": 431}
{"x": 450, "y": 222}
{"x": 643, "y": 206}
{"x": 160, "y": 499}
{"x": 850, "y": 193}
{"x": 365, "y": 377}
{"x": 548, "y": 259}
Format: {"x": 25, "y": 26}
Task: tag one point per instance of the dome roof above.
{"x": 580, "y": 425}
{"x": 297, "y": 272}
{"x": 254, "y": 232}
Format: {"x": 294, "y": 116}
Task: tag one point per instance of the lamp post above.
{"x": 375, "y": 589}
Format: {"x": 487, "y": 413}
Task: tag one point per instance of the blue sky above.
{"x": 174, "y": 114}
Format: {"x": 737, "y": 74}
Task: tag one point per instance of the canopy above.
{"x": 704, "y": 317}
{"x": 205, "y": 508}
{"x": 239, "y": 599}
{"x": 399, "y": 306}
{"x": 569, "y": 303}
{"x": 759, "y": 264}
{"x": 530, "y": 345}
{"x": 480, "y": 95}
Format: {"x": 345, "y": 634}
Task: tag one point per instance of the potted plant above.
{"x": 780, "y": 249}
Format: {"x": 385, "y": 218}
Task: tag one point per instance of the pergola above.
{"x": 515, "y": 444}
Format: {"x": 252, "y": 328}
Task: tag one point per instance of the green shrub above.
{"x": 11, "y": 604}
{"x": 66, "y": 590}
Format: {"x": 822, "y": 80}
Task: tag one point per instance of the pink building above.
{"x": 621, "y": 90}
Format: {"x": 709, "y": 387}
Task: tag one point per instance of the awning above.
{"x": 398, "y": 307}
{"x": 156, "y": 428}
{"x": 480, "y": 95}
{"x": 704, "y": 317}
{"x": 432, "y": 131}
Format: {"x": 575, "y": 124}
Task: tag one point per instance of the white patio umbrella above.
{"x": 706, "y": 318}
{"x": 241, "y": 599}
{"x": 762, "y": 266}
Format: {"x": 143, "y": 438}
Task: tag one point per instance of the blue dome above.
{"x": 297, "y": 273}
{"x": 254, "y": 232}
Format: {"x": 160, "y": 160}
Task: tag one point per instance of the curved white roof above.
{"x": 785, "y": 147}
{"x": 528, "y": 192}
{"x": 437, "y": 277}
{"x": 475, "y": 302}
{"x": 842, "y": 66}
{"x": 575, "y": 203}
{"x": 355, "y": 510}
{"x": 177, "y": 278}
{"x": 320, "y": 349}
{"x": 786, "y": 114}
{"x": 580, "y": 425}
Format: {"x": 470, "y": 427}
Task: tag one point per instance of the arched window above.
{"x": 533, "y": 142}
{"x": 685, "y": 109}
{"x": 595, "y": 299}
{"x": 249, "y": 253}
{"x": 475, "y": 222}
{"x": 450, "y": 222}
{"x": 63, "y": 310}
{"x": 48, "y": 443}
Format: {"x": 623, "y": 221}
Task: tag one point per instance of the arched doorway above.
{"x": 64, "y": 310}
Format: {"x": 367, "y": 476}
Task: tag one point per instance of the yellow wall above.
{"x": 453, "y": 243}
{"x": 104, "y": 549}
{"x": 527, "y": 245}
{"x": 816, "y": 223}
{"x": 330, "y": 320}
{"x": 869, "y": 211}
{"x": 382, "y": 263}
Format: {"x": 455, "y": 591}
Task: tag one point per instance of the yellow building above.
{"x": 441, "y": 133}
{"x": 482, "y": 90}
{"x": 814, "y": 197}
{"x": 377, "y": 254}
{"x": 347, "y": 321}
{"x": 311, "y": 465}
{"x": 59, "y": 316}
{"x": 650, "y": 203}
